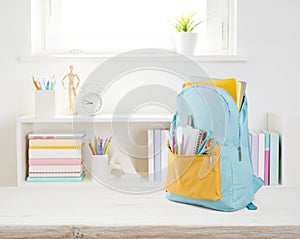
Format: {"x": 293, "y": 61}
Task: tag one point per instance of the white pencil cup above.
{"x": 100, "y": 167}
{"x": 44, "y": 103}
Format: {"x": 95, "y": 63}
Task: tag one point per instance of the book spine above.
{"x": 261, "y": 155}
{"x": 55, "y": 168}
{"x": 267, "y": 167}
{"x": 55, "y": 142}
{"x": 56, "y": 179}
{"x": 54, "y": 175}
{"x": 254, "y": 152}
{"x": 157, "y": 155}
{"x": 274, "y": 158}
{"x": 54, "y": 153}
{"x": 150, "y": 155}
{"x": 55, "y": 136}
{"x": 55, "y": 161}
{"x": 46, "y": 147}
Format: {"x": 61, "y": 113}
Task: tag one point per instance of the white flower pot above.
{"x": 186, "y": 42}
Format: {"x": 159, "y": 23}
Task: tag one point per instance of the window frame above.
{"x": 38, "y": 30}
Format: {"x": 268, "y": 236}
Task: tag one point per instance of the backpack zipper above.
{"x": 239, "y": 137}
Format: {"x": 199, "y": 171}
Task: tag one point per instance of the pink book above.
{"x": 267, "y": 167}
{"x": 267, "y": 158}
{"x": 55, "y": 161}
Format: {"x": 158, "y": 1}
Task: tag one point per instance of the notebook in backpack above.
{"x": 222, "y": 178}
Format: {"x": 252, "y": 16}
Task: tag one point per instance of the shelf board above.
{"x": 102, "y": 118}
{"x": 96, "y": 58}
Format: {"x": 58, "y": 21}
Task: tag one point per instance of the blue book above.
{"x": 274, "y": 158}
{"x": 58, "y": 179}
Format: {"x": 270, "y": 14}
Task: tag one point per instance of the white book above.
{"x": 274, "y": 158}
{"x": 164, "y": 154}
{"x": 54, "y": 153}
{"x": 191, "y": 139}
{"x": 150, "y": 155}
{"x": 254, "y": 152}
{"x": 157, "y": 154}
{"x": 261, "y": 154}
{"x": 63, "y": 168}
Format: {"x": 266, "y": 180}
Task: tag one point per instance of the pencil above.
{"x": 108, "y": 145}
{"x": 35, "y": 84}
{"x": 92, "y": 149}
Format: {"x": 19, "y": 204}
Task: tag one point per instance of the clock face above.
{"x": 91, "y": 103}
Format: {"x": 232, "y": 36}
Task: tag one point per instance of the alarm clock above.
{"x": 90, "y": 103}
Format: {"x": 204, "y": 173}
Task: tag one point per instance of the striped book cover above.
{"x": 55, "y": 142}
{"x": 55, "y": 175}
{"x": 61, "y": 179}
{"x": 55, "y": 168}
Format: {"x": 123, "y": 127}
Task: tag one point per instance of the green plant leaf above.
{"x": 186, "y": 24}
{"x": 197, "y": 24}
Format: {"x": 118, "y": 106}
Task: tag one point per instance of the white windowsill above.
{"x": 102, "y": 57}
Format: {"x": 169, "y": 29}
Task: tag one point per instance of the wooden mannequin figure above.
{"x": 71, "y": 89}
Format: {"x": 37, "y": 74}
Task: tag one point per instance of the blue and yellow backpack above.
{"x": 222, "y": 178}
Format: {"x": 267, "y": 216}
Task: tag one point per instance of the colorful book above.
{"x": 55, "y": 136}
{"x": 51, "y": 179}
{"x": 267, "y": 158}
{"x": 55, "y": 168}
{"x": 55, "y": 175}
{"x": 255, "y": 152}
{"x": 274, "y": 158}
{"x": 57, "y": 153}
{"x": 55, "y": 142}
{"x": 261, "y": 155}
{"x": 54, "y": 161}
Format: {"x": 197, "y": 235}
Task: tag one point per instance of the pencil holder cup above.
{"x": 44, "y": 103}
{"x": 100, "y": 167}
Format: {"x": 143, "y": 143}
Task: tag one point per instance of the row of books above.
{"x": 55, "y": 157}
{"x": 265, "y": 153}
{"x": 157, "y": 154}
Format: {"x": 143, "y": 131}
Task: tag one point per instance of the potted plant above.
{"x": 186, "y": 39}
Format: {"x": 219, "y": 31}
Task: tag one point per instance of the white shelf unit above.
{"x": 138, "y": 124}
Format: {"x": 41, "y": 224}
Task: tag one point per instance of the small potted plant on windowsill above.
{"x": 186, "y": 39}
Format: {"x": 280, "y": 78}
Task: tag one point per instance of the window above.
{"x": 113, "y": 26}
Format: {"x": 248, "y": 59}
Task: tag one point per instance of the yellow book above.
{"x": 55, "y": 147}
{"x": 241, "y": 88}
{"x": 239, "y": 94}
{"x": 230, "y": 85}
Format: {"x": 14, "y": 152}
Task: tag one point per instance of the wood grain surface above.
{"x": 84, "y": 232}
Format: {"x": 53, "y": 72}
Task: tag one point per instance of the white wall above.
{"x": 268, "y": 35}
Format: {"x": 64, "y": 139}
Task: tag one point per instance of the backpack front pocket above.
{"x": 195, "y": 176}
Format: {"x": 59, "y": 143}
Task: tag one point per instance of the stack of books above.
{"x": 55, "y": 158}
{"x": 157, "y": 154}
{"x": 266, "y": 156}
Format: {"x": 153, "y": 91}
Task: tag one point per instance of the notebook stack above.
{"x": 55, "y": 158}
